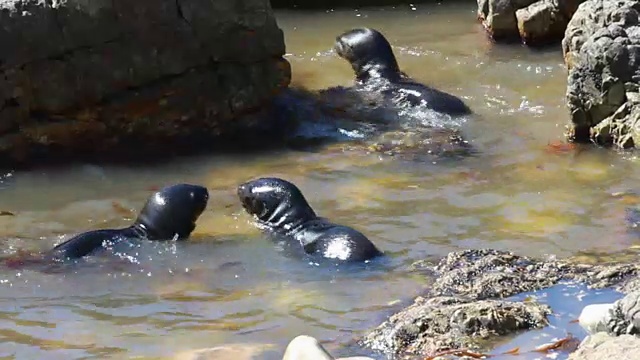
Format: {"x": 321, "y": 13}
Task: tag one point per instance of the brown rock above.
{"x": 533, "y": 22}
{"x": 541, "y": 22}
{"x": 107, "y": 76}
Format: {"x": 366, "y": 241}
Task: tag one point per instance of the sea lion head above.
{"x": 173, "y": 211}
{"x": 369, "y": 53}
{"x": 275, "y": 202}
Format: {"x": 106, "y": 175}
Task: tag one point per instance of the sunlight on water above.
{"x": 520, "y": 192}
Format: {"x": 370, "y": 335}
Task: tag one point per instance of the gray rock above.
{"x": 101, "y": 76}
{"x": 432, "y": 325}
{"x": 305, "y": 347}
{"x": 534, "y": 22}
{"x": 464, "y": 307}
{"x": 624, "y": 316}
{"x": 594, "y": 317}
{"x": 488, "y": 273}
{"x": 541, "y": 22}
{"x": 601, "y": 49}
{"x": 602, "y": 346}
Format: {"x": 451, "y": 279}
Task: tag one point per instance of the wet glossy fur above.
{"x": 168, "y": 214}
{"x": 376, "y": 69}
{"x": 281, "y": 209}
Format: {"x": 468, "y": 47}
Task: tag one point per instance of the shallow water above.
{"x": 229, "y": 284}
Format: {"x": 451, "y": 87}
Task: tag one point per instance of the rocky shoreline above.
{"x": 466, "y": 306}
{"x": 468, "y": 309}
{"x": 170, "y": 82}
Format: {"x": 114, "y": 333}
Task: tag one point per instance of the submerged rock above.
{"x": 600, "y": 50}
{"x": 370, "y": 122}
{"x": 533, "y": 22}
{"x": 100, "y": 78}
{"x": 602, "y": 346}
{"x": 465, "y": 306}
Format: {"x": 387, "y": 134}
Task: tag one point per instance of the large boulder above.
{"x": 533, "y": 22}
{"x": 601, "y": 49}
{"x": 113, "y": 76}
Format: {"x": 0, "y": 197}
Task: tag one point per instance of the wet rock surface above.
{"x": 466, "y": 306}
{"x": 105, "y": 76}
{"x": 533, "y": 22}
{"x": 440, "y": 323}
{"x": 602, "y": 346}
{"x": 600, "y": 50}
{"x": 621, "y": 317}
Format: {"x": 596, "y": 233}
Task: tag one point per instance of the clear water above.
{"x": 230, "y": 285}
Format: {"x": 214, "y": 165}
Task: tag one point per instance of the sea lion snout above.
{"x": 201, "y": 195}
{"x": 341, "y": 48}
{"x": 185, "y": 198}
{"x": 244, "y": 193}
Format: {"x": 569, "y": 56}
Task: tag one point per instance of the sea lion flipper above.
{"x": 89, "y": 242}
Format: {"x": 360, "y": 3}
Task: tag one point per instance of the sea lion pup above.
{"x": 376, "y": 68}
{"x": 169, "y": 214}
{"x": 282, "y": 210}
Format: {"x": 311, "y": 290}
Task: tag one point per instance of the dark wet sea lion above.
{"x": 169, "y": 214}
{"x": 284, "y": 213}
{"x": 376, "y": 68}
